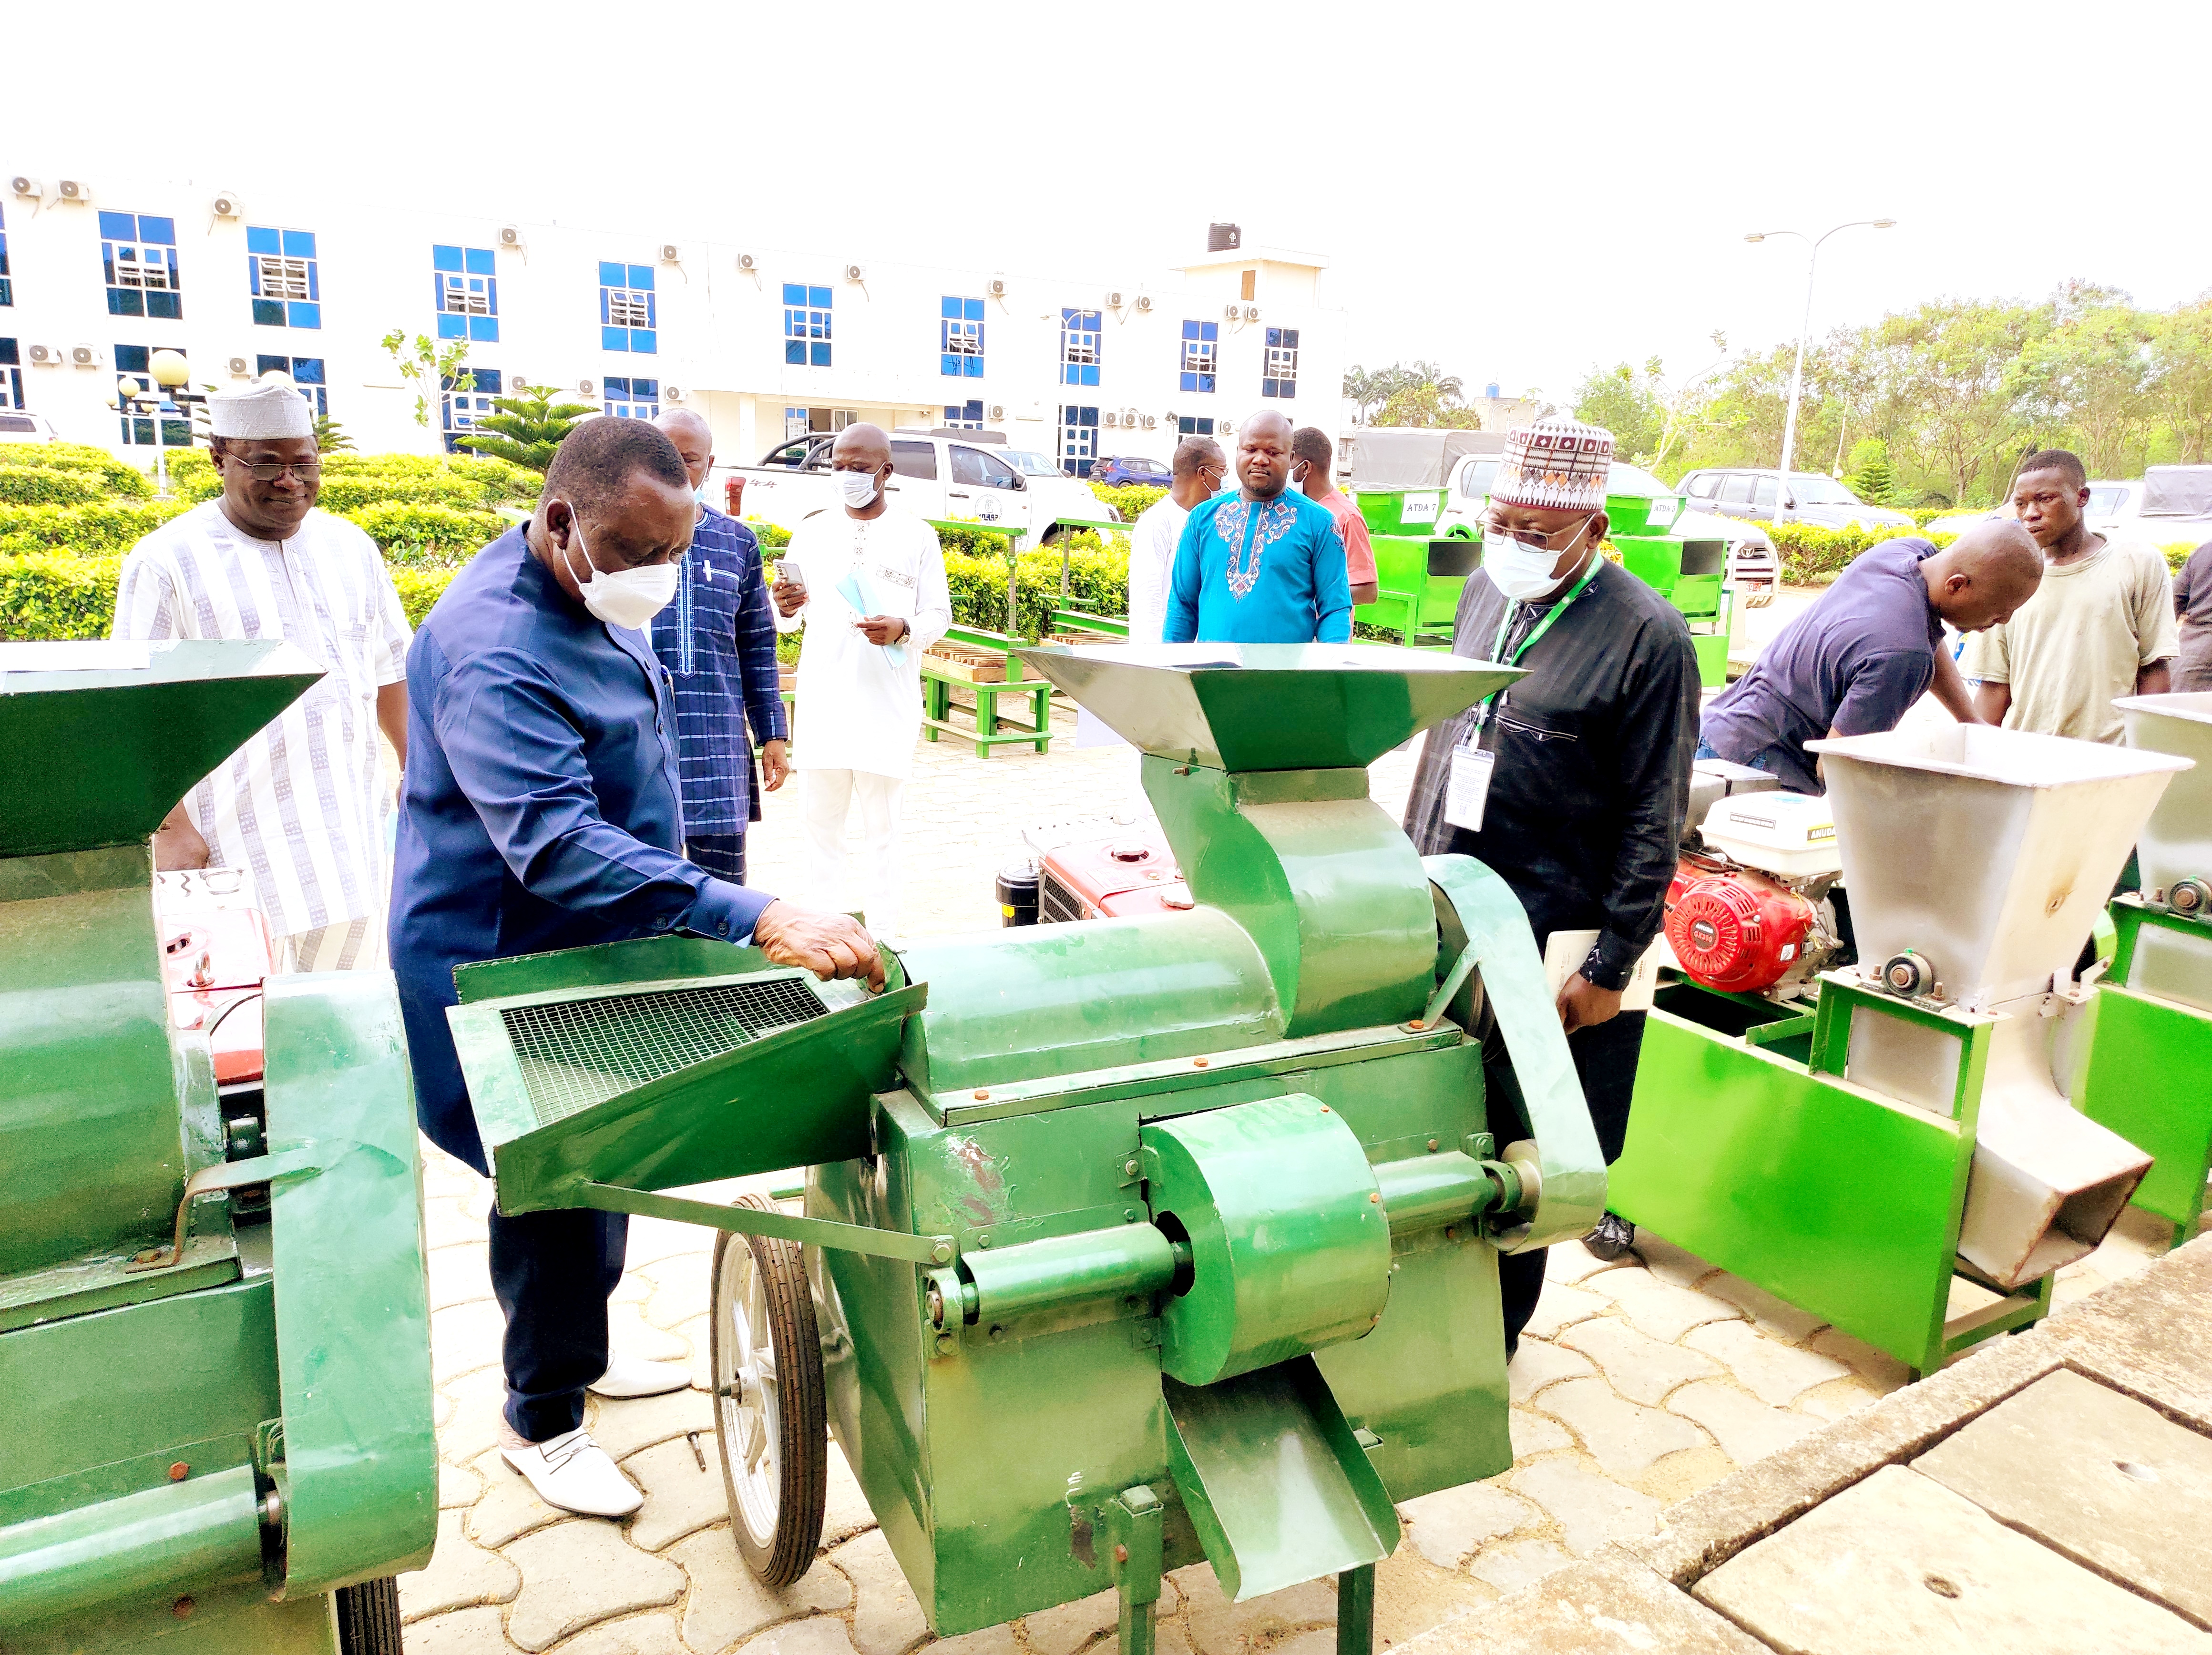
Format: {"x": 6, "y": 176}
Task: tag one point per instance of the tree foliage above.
{"x": 1408, "y": 393}
{"x": 526, "y": 427}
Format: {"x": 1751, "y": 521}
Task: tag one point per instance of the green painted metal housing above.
{"x": 245, "y": 1422}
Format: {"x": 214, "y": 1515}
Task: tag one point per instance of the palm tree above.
{"x": 527, "y": 427}
{"x": 1364, "y": 390}
{"x": 1449, "y": 386}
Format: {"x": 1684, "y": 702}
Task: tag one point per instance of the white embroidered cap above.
{"x": 1557, "y": 464}
{"x": 267, "y": 410}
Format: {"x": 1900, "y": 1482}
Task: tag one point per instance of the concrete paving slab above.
{"x": 1771, "y": 1371}
{"x": 1625, "y": 1440}
{"x": 1609, "y": 1605}
{"x": 1634, "y": 1363}
{"x": 1746, "y": 1428}
{"x": 1588, "y": 1509}
{"x": 1448, "y": 1524}
{"x": 1900, "y": 1562}
{"x": 2098, "y": 1476}
{"x": 1537, "y": 1364}
{"x": 1661, "y": 1310}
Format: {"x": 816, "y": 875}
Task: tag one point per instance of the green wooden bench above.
{"x": 940, "y": 678}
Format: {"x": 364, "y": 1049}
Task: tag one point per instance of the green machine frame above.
{"x": 213, "y": 1325}
{"x": 1127, "y": 1243}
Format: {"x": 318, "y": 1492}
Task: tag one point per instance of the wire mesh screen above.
{"x": 585, "y": 1051}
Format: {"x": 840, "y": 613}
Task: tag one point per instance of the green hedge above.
{"x": 1130, "y": 498}
{"x": 25, "y": 485}
{"x": 1813, "y": 556}
{"x": 347, "y": 493}
{"x": 49, "y": 595}
{"x": 428, "y": 535}
{"x": 114, "y": 476}
{"x": 1097, "y": 580}
{"x": 89, "y": 530}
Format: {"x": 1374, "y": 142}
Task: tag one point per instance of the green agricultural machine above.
{"x": 1691, "y": 574}
{"x": 1418, "y": 572}
{"x": 2150, "y": 1066}
{"x": 1126, "y": 1243}
{"x": 1860, "y": 1140}
{"x": 214, "y": 1328}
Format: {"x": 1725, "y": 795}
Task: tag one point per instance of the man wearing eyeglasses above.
{"x": 302, "y": 807}
{"x": 1198, "y": 470}
{"x": 1570, "y": 784}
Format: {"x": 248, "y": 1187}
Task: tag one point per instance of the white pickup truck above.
{"x": 948, "y": 474}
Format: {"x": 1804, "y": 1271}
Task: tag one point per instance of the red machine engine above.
{"x": 215, "y": 951}
{"x": 1131, "y": 872}
{"x": 1739, "y": 930}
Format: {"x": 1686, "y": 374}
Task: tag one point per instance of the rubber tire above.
{"x": 368, "y": 1618}
{"x": 803, "y": 1407}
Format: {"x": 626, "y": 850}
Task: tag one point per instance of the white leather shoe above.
{"x": 633, "y": 1376}
{"x": 574, "y": 1473}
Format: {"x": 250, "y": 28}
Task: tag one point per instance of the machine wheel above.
{"x": 770, "y": 1412}
{"x": 1760, "y": 598}
{"x": 368, "y": 1618}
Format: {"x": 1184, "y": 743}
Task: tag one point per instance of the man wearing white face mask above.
{"x": 1570, "y": 784}
{"x": 541, "y": 810}
{"x": 869, "y": 579}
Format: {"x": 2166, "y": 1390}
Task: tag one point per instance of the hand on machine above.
{"x": 830, "y": 945}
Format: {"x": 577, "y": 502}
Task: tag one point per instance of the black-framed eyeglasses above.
{"x": 270, "y": 470}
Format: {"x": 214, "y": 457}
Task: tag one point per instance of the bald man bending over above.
{"x": 1872, "y": 645}
{"x": 717, "y": 641}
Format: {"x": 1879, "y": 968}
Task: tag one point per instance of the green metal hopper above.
{"x": 1126, "y": 1243}
{"x": 213, "y": 1324}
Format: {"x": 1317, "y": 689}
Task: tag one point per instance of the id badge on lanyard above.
{"x": 1467, "y": 789}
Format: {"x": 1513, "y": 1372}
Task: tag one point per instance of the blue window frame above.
{"x": 1201, "y": 353}
{"x": 136, "y": 361}
{"x": 968, "y": 416}
{"x": 1078, "y": 349}
{"x": 11, "y": 376}
{"x": 281, "y": 268}
{"x": 805, "y": 325}
{"x": 138, "y": 254}
{"x": 1193, "y": 426}
{"x": 459, "y": 410}
{"x": 465, "y": 282}
{"x": 1078, "y": 439}
{"x": 307, "y": 373}
{"x": 1282, "y": 367}
{"x": 7, "y": 283}
{"x": 961, "y": 338}
{"x": 629, "y": 315}
{"x": 630, "y": 398}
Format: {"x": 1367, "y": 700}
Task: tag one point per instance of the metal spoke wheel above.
{"x": 770, "y": 1414}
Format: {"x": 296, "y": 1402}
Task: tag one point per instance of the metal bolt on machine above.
{"x": 2150, "y": 1063}
{"x": 1126, "y": 1242}
{"x": 213, "y": 1327}
{"x": 1855, "y": 1141}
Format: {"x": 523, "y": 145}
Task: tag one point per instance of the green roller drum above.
{"x": 1125, "y": 1244}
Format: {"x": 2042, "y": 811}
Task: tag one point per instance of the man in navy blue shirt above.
{"x": 540, "y": 810}
{"x": 1869, "y": 647}
{"x": 717, "y": 639}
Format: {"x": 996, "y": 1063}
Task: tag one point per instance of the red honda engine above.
{"x": 215, "y": 946}
{"x": 1737, "y": 931}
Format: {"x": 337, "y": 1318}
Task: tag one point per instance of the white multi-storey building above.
{"x": 97, "y": 274}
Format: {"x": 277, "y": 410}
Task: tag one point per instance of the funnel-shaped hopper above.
{"x": 102, "y": 739}
{"x": 1987, "y": 852}
{"x": 2177, "y": 842}
{"x": 1268, "y": 707}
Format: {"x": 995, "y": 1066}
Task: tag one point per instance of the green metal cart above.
{"x": 214, "y": 1329}
{"x": 1126, "y": 1243}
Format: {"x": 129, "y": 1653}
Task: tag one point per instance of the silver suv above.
{"x": 1821, "y": 502}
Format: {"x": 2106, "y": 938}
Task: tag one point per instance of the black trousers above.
{"x": 722, "y": 855}
{"x": 553, "y": 1273}
{"x": 1605, "y": 1062}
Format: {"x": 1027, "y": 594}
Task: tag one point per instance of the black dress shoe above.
{"x": 1611, "y": 1239}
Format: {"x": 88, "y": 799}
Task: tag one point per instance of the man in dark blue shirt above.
{"x": 540, "y": 810}
{"x": 717, "y": 639}
{"x": 1869, "y": 647}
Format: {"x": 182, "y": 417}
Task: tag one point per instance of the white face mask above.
{"x": 858, "y": 488}
{"x": 1521, "y": 574}
{"x": 1296, "y": 485}
{"x": 621, "y": 598}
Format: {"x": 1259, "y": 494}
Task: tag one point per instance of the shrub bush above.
{"x": 89, "y": 530}
{"x": 117, "y": 477}
{"x": 47, "y": 595}
{"x": 1130, "y": 498}
{"x": 1813, "y": 556}
{"x": 351, "y": 493}
{"x": 43, "y": 485}
{"x": 427, "y": 535}
{"x": 420, "y": 588}
{"x": 1097, "y": 580}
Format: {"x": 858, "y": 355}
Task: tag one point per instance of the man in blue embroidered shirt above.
{"x": 718, "y": 638}
{"x": 540, "y": 811}
{"x": 1264, "y": 564}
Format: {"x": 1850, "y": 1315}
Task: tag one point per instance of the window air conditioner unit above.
{"x": 587, "y": 387}
{"x": 670, "y": 253}
{"x": 747, "y": 261}
{"x": 998, "y": 288}
{"x": 1251, "y": 312}
{"x": 1144, "y": 302}
{"x": 226, "y": 204}
{"x": 73, "y": 189}
{"x": 1114, "y": 300}
{"x": 45, "y": 356}
{"x": 84, "y": 356}
{"x": 510, "y": 235}
{"x": 997, "y": 412}
{"x": 854, "y": 273}
{"x": 26, "y": 186}
{"x": 240, "y": 368}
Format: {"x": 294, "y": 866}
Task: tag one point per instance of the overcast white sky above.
{"x": 1515, "y": 191}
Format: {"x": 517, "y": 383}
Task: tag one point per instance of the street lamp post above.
{"x": 1797, "y": 373}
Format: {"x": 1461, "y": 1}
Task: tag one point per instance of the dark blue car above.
{"x": 1131, "y": 468}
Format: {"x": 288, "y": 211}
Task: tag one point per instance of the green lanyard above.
{"x": 1505, "y": 624}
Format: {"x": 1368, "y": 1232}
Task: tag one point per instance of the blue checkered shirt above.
{"x": 717, "y": 640}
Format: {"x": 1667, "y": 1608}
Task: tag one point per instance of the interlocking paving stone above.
{"x": 1535, "y": 1435}
{"x": 640, "y": 1634}
{"x": 815, "y": 1637}
{"x": 1676, "y": 1266}
{"x": 580, "y": 1572}
{"x": 1660, "y": 1309}
{"x": 629, "y": 1332}
{"x": 1769, "y": 1314}
{"x": 1589, "y": 1509}
{"x": 1218, "y": 1626}
{"x": 1571, "y": 1262}
{"x": 1634, "y": 1363}
{"x": 679, "y": 1497}
{"x": 845, "y": 1510}
{"x": 1770, "y": 1370}
{"x": 1610, "y": 1605}
{"x": 459, "y": 1274}
{"x": 1625, "y": 1437}
{"x": 1445, "y": 1527}
{"x": 680, "y": 1288}
{"x": 463, "y": 1631}
{"x": 623, "y": 1426}
{"x": 464, "y": 1338}
{"x": 1839, "y": 1398}
{"x": 1063, "y": 1630}
{"x": 985, "y": 1640}
{"x": 2109, "y": 1482}
{"x": 1510, "y": 1566}
{"x": 458, "y": 1486}
{"x": 1900, "y": 1563}
{"x": 726, "y": 1605}
{"x": 457, "y": 1575}
{"x": 509, "y": 1506}
{"x": 1879, "y": 1367}
{"x": 1562, "y": 1303}
{"x": 1537, "y": 1364}
{"x": 474, "y": 1424}
{"x": 886, "y": 1619}
{"x": 1746, "y": 1427}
